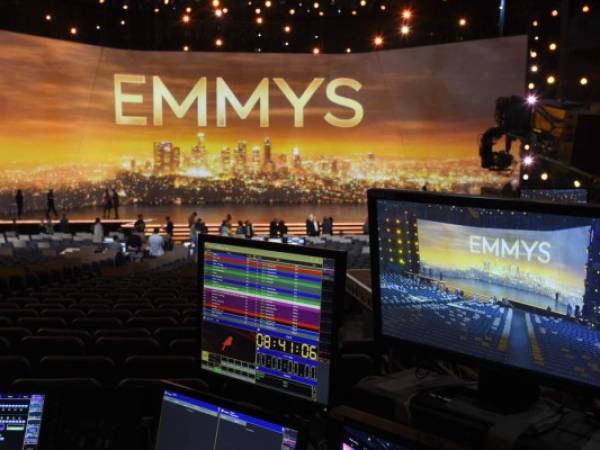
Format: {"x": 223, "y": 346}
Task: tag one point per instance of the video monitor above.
{"x": 507, "y": 282}
{"x": 190, "y": 421}
{"x": 351, "y": 429}
{"x": 21, "y": 421}
{"x": 269, "y": 314}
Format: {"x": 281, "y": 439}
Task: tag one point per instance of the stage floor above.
{"x": 215, "y": 213}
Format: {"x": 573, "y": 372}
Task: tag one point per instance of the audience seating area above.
{"x": 108, "y": 330}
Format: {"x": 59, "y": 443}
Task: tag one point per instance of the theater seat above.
{"x": 188, "y": 347}
{"x": 84, "y": 335}
{"x": 35, "y": 323}
{"x": 151, "y": 323}
{"x": 14, "y": 335}
{"x": 122, "y": 332}
{"x": 5, "y": 322}
{"x": 122, "y": 315}
{"x": 92, "y": 325}
{"x": 120, "y": 349}
{"x": 100, "y": 367}
{"x": 36, "y": 347}
{"x": 13, "y": 367}
{"x": 166, "y": 367}
{"x": 69, "y": 315}
{"x": 5, "y": 346}
{"x": 166, "y": 335}
{"x": 157, "y": 313}
{"x": 55, "y": 384}
{"x": 15, "y": 314}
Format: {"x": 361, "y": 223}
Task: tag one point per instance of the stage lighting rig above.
{"x": 560, "y": 133}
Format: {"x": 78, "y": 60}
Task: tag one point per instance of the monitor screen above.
{"x": 355, "y": 439}
{"x": 188, "y": 423}
{"x": 516, "y": 283}
{"x": 20, "y": 421}
{"x": 268, "y": 315}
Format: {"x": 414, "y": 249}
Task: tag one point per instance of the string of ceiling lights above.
{"x": 286, "y": 25}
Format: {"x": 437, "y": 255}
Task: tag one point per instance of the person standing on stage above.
{"x": 192, "y": 219}
{"x": 106, "y": 205}
{"x": 115, "y": 203}
{"x": 51, "y": 204}
{"x": 312, "y": 226}
{"x": 19, "y": 201}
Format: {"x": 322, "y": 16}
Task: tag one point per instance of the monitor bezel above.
{"x": 244, "y": 408}
{"x": 465, "y": 201}
{"x": 263, "y": 393}
{"x": 399, "y": 433}
{"x": 48, "y": 427}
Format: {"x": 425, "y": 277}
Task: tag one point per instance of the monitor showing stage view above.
{"x": 515, "y": 283}
{"x": 20, "y": 421}
{"x": 189, "y": 423}
{"x": 268, "y": 314}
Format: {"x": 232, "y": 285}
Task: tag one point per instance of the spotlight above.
{"x": 48, "y": 17}
{"x": 577, "y": 184}
{"x": 551, "y": 79}
{"x": 406, "y": 14}
{"x": 534, "y": 68}
{"x": 532, "y": 100}
{"x": 219, "y": 13}
{"x": 553, "y": 46}
{"x": 554, "y": 13}
{"x": 528, "y": 161}
{"x": 525, "y": 176}
{"x": 544, "y": 176}
{"x": 348, "y": 50}
{"x": 185, "y": 18}
{"x": 316, "y": 51}
{"x": 462, "y": 22}
{"x": 531, "y": 86}
{"x": 585, "y": 9}
{"x": 378, "y": 41}
{"x": 259, "y": 20}
{"x": 186, "y": 48}
{"x": 527, "y": 146}
{"x": 73, "y": 31}
{"x": 584, "y": 81}
{"x": 404, "y": 30}
{"x": 219, "y": 42}
{"x": 216, "y": 3}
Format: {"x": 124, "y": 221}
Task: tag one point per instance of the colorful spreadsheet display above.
{"x": 267, "y": 318}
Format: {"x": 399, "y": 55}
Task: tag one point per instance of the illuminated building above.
{"x": 199, "y": 151}
{"x": 225, "y": 158}
{"x": 167, "y": 159}
{"x": 268, "y": 165}
{"x": 296, "y": 158}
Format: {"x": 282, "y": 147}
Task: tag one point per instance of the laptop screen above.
{"x": 188, "y": 423}
{"x": 20, "y": 421}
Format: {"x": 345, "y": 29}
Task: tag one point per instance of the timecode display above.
{"x": 306, "y": 351}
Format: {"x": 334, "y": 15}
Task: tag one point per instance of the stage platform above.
{"x": 181, "y": 232}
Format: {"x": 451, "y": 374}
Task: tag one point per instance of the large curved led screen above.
{"x": 170, "y": 128}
